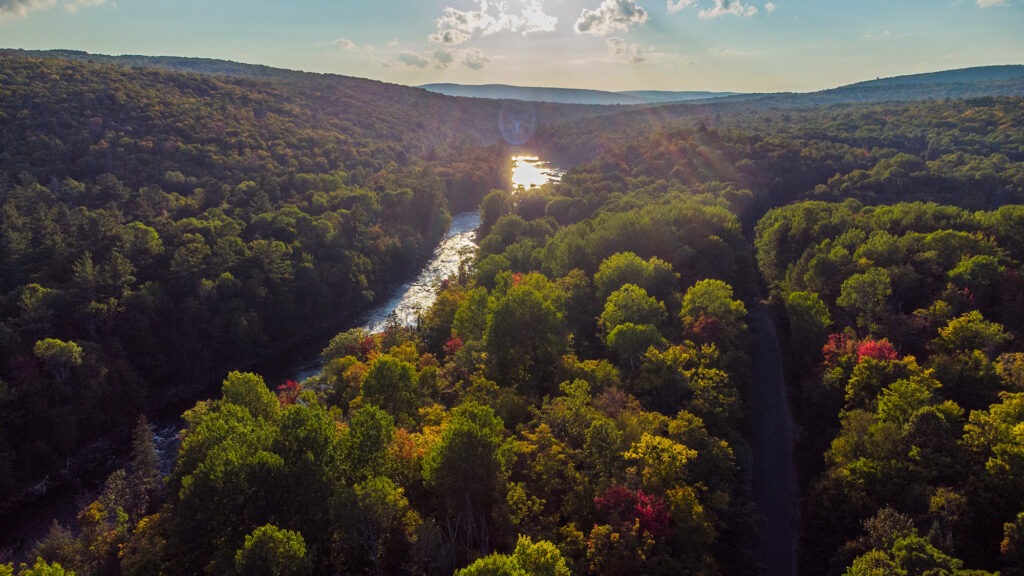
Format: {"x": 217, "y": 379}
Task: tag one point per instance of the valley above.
{"x": 763, "y": 333}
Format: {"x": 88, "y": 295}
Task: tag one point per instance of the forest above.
{"x": 162, "y": 230}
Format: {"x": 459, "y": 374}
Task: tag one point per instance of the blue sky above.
{"x": 740, "y": 45}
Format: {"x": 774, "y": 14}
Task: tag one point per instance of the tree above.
{"x": 631, "y": 341}
{"x": 250, "y": 392}
{"x": 865, "y": 296}
{"x": 470, "y": 321}
{"x": 391, "y": 384}
{"x": 972, "y": 332}
{"x": 809, "y": 322}
{"x": 381, "y": 523}
{"x": 364, "y": 446}
{"x": 661, "y": 463}
{"x": 271, "y": 551}
{"x": 42, "y": 568}
{"x": 496, "y": 203}
{"x": 631, "y": 304}
{"x": 530, "y": 558}
{"x": 58, "y": 356}
{"x": 654, "y": 275}
{"x": 467, "y": 471}
{"x": 493, "y": 565}
{"x": 526, "y": 363}
{"x": 144, "y": 471}
{"x": 710, "y": 314}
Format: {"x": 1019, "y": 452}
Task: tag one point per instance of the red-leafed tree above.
{"x": 876, "y": 349}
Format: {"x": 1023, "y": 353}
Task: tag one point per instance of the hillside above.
{"x": 601, "y": 392}
{"x": 160, "y": 226}
{"x": 569, "y": 95}
{"x": 959, "y": 76}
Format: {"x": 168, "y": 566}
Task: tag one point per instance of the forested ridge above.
{"x": 151, "y": 217}
{"x": 576, "y": 402}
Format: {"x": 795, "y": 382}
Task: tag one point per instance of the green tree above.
{"x": 809, "y": 322}
{"x": 271, "y": 551}
{"x": 42, "y": 568}
{"x": 250, "y": 392}
{"x": 391, "y": 384}
{"x": 526, "y": 363}
{"x": 972, "y": 332}
{"x": 365, "y": 445}
{"x": 58, "y": 356}
{"x": 496, "y": 203}
{"x": 709, "y": 313}
{"x": 631, "y": 341}
{"x": 631, "y": 304}
{"x": 654, "y": 275}
{"x": 493, "y": 565}
{"x": 467, "y": 469}
{"x": 866, "y": 297}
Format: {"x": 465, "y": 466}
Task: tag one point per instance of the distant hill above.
{"x": 672, "y": 96}
{"x": 1004, "y": 80}
{"x": 980, "y": 73}
{"x": 569, "y": 95}
{"x": 174, "y": 63}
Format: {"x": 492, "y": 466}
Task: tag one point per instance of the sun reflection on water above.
{"x": 529, "y": 171}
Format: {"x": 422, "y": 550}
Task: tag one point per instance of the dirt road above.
{"x": 774, "y": 480}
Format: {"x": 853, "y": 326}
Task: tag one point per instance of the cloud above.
{"x": 611, "y": 16}
{"x": 728, "y": 52}
{"x": 443, "y": 58}
{"x": 350, "y": 46}
{"x": 459, "y": 26}
{"x": 475, "y": 59}
{"x": 619, "y": 48}
{"x": 674, "y": 7}
{"x": 990, "y": 3}
{"x": 75, "y": 5}
{"x": 770, "y": 7}
{"x": 886, "y": 35}
{"x": 726, "y": 7}
{"x": 14, "y": 9}
{"x": 346, "y": 44}
{"x": 11, "y": 9}
{"x": 413, "y": 59}
{"x": 535, "y": 19}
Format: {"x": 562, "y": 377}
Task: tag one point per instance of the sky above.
{"x": 721, "y": 45}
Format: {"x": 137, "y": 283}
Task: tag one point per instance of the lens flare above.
{"x": 517, "y": 122}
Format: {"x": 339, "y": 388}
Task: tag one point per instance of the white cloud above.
{"x": 345, "y": 43}
{"x": 443, "y": 58}
{"x": 75, "y": 5}
{"x": 990, "y": 3}
{"x": 678, "y": 5}
{"x": 770, "y": 7}
{"x": 14, "y": 9}
{"x": 535, "y": 19}
{"x": 474, "y": 59}
{"x": 728, "y": 52}
{"x": 350, "y": 46}
{"x": 11, "y": 9}
{"x": 619, "y": 48}
{"x": 611, "y": 16}
{"x": 726, "y": 7}
{"x": 413, "y": 59}
{"x": 459, "y": 26}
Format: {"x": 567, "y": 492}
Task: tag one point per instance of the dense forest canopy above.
{"x": 580, "y": 399}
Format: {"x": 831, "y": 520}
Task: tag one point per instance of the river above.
{"x": 407, "y": 302}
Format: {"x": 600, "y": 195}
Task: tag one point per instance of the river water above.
{"x": 412, "y": 299}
